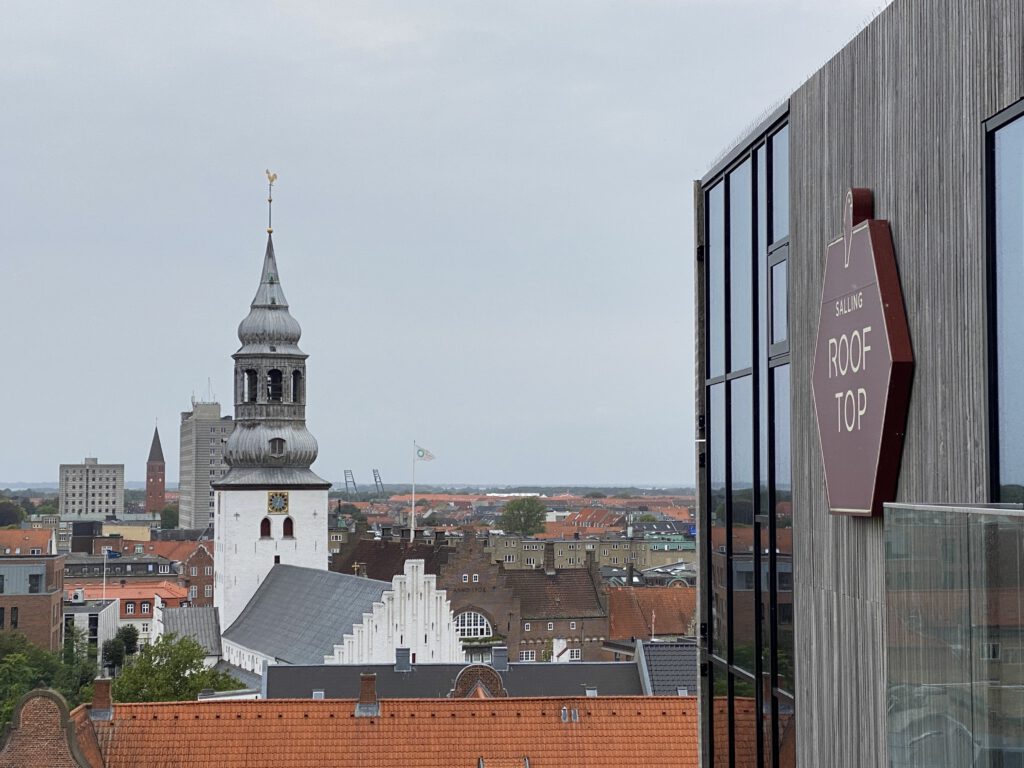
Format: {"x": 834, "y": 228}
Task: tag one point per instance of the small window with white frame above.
{"x": 526, "y": 626}
{"x": 465, "y": 578}
{"x": 476, "y": 578}
{"x": 575, "y": 654}
{"x": 527, "y": 655}
{"x": 572, "y": 625}
{"x": 551, "y": 626}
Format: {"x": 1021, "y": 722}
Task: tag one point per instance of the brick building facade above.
{"x": 32, "y": 586}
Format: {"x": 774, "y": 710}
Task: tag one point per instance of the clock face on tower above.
{"x": 277, "y": 502}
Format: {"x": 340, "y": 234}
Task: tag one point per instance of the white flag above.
{"x": 422, "y": 454}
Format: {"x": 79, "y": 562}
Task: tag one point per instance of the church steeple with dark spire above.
{"x": 155, "y": 468}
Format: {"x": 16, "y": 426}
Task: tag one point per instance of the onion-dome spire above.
{"x": 269, "y": 327}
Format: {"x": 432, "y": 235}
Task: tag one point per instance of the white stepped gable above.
{"x": 413, "y": 614}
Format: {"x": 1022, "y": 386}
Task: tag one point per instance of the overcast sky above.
{"x": 483, "y": 220}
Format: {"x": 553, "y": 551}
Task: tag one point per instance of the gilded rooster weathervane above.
{"x": 271, "y": 178}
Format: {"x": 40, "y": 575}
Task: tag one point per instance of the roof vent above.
{"x": 682, "y": 691}
{"x": 591, "y": 690}
{"x": 402, "y": 660}
{"x": 318, "y": 693}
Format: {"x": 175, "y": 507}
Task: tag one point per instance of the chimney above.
{"x": 549, "y": 558}
{"x": 367, "y": 706}
{"x": 499, "y": 658}
{"x": 629, "y": 575}
{"x": 402, "y": 663}
{"x": 102, "y": 706}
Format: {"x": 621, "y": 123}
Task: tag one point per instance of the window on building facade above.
{"x": 527, "y": 655}
{"x": 465, "y": 578}
{"x": 145, "y": 606}
{"x": 14, "y": 617}
{"x": 1006, "y": 238}
{"x": 275, "y": 389}
{"x": 265, "y": 528}
{"x": 511, "y": 558}
{"x": 551, "y": 626}
{"x": 208, "y": 590}
{"x": 34, "y": 583}
{"x": 575, "y": 654}
{"x": 208, "y": 570}
{"x": 194, "y": 570}
{"x": 746, "y": 512}
{"x": 129, "y": 608}
{"x": 476, "y": 578}
{"x": 572, "y": 625}
{"x": 526, "y": 626}
{"x": 193, "y": 592}
{"x": 289, "y": 528}
{"x": 473, "y": 624}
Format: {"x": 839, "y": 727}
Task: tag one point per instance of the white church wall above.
{"x": 243, "y": 558}
{"x": 413, "y": 614}
{"x": 245, "y": 658}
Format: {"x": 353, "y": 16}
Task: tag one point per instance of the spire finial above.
{"x": 271, "y": 178}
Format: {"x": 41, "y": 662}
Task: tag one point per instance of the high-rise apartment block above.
{"x": 91, "y": 490}
{"x": 155, "y": 474}
{"x": 204, "y": 433}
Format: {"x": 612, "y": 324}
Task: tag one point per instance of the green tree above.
{"x": 646, "y": 519}
{"x": 129, "y": 637}
{"x": 594, "y": 495}
{"x": 24, "y": 666}
{"x": 169, "y": 518}
{"x": 113, "y": 653}
{"x": 11, "y": 513}
{"x": 171, "y": 669}
{"x": 524, "y": 516}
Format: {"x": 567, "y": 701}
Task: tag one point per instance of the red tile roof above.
{"x": 23, "y": 541}
{"x": 608, "y": 732}
{"x": 630, "y": 611}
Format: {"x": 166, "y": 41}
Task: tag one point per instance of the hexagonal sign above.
{"x": 863, "y": 364}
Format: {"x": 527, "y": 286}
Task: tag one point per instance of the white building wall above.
{"x": 242, "y": 559}
{"x": 245, "y": 658}
{"x": 413, "y": 614}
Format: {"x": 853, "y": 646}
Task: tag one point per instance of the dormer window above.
{"x": 277, "y": 447}
{"x": 274, "y": 385}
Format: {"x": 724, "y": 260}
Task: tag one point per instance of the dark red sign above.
{"x": 863, "y": 364}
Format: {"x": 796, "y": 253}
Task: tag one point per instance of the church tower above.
{"x": 270, "y": 506}
{"x": 155, "y": 495}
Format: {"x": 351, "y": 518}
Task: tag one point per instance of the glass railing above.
{"x": 954, "y": 581}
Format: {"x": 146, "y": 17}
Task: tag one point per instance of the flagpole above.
{"x": 105, "y": 574}
{"x": 412, "y": 514}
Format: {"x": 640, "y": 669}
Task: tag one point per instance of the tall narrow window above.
{"x": 274, "y": 385}
{"x": 277, "y": 447}
{"x": 249, "y": 388}
{"x": 296, "y": 386}
{"x": 265, "y": 528}
{"x": 1006, "y": 144}
{"x": 289, "y": 528}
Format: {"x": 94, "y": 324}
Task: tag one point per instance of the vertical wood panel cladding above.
{"x": 899, "y": 110}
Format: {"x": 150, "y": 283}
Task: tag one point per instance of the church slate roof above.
{"x": 201, "y": 623}
{"x": 298, "y": 614}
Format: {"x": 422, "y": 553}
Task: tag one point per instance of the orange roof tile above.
{"x": 630, "y": 611}
{"x": 166, "y": 590}
{"x": 608, "y": 732}
{"x": 23, "y": 541}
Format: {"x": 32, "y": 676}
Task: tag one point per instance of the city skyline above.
{"x": 483, "y": 223}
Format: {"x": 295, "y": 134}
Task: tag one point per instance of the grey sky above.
{"x": 483, "y": 220}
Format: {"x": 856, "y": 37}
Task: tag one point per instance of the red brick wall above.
{"x": 39, "y": 737}
{"x": 155, "y": 498}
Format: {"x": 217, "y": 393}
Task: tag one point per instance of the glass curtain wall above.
{"x": 747, "y": 518}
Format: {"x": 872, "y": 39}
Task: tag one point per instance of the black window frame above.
{"x": 763, "y": 523}
{"x": 991, "y": 126}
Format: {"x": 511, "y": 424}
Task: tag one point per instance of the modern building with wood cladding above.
{"x": 859, "y": 265}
